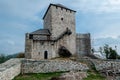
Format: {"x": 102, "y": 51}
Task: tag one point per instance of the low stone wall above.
{"x": 107, "y": 64}
{"x": 44, "y": 66}
{"x": 14, "y": 67}
{"x": 10, "y": 69}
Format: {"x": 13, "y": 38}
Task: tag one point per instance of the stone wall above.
{"x": 107, "y": 64}
{"x": 60, "y": 20}
{"x": 10, "y": 69}
{"x": 28, "y": 46}
{"x": 56, "y": 20}
{"x": 44, "y": 66}
{"x": 83, "y": 45}
{"x": 47, "y": 20}
{"x": 39, "y": 49}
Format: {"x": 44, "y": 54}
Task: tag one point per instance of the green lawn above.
{"x": 40, "y": 76}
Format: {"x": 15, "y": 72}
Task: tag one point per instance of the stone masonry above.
{"x": 83, "y": 45}
{"x": 10, "y": 69}
{"x": 59, "y": 30}
{"x": 15, "y": 66}
{"x": 45, "y": 66}
{"x": 107, "y": 64}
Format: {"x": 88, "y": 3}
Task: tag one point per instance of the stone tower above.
{"x": 58, "y": 19}
{"x": 59, "y": 31}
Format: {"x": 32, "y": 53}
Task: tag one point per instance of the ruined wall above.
{"x": 107, "y": 64}
{"x": 44, "y": 66}
{"x": 83, "y": 44}
{"x": 15, "y": 66}
{"x": 10, "y": 69}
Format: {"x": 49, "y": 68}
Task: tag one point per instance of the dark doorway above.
{"x": 45, "y": 55}
{"x": 64, "y": 52}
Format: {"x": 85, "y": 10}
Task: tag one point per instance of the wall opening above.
{"x": 64, "y": 52}
{"x": 45, "y": 55}
{"x": 62, "y": 19}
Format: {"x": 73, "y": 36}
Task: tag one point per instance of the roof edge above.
{"x": 57, "y": 6}
{"x": 38, "y": 30}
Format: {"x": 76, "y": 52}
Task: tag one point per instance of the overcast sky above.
{"x": 101, "y": 18}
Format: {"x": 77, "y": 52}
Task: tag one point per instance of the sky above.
{"x": 101, "y": 18}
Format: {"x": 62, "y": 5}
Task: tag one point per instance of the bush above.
{"x": 109, "y": 52}
{"x": 21, "y": 55}
{"x": 2, "y": 58}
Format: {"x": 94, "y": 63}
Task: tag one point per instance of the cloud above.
{"x": 17, "y": 17}
{"x": 111, "y": 31}
{"x": 112, "y": 42}
{"x": 9, "y": 46}
{"x": 97, "y": 6}
{"x": 100, "y": 26}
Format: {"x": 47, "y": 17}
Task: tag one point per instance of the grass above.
{"x": 40, "y": 76}
{"x": 94, "y": 76}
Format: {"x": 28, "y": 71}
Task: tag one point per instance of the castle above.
{"x": 59, "y": 31}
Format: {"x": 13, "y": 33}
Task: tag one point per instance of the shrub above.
{"x": 20, "y": 55}
{"x": 2, "y": 58}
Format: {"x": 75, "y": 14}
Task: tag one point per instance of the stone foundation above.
{"x": 14, "y": 67}
{"x": 107, "y": 64}
{"x": 45, "y": 66}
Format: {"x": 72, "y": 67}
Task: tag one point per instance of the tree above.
{"x": 106, "y": 51}
{"x": 2, "y": 58}
{"x": 113, "y": 54}
{"x": 109, "y": 52}
{"x": 92, "y": 50}
{"x": 101, "y": 51}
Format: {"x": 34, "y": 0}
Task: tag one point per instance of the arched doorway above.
{"x": 45, "y": 55}
{"x": 64, "y": 52}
